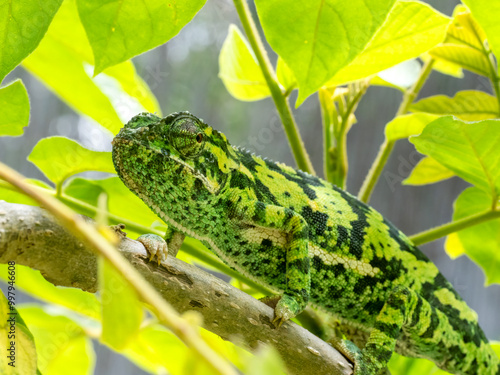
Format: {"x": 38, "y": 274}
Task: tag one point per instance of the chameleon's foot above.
{"x": 156, "y": 246}
{"x": 286, "y": 308}
{"x": 355, "y": 355}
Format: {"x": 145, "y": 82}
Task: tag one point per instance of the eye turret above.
{"x": 187, "y": 137}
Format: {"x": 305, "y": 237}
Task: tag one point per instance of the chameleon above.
{"x": 304, "y": 238}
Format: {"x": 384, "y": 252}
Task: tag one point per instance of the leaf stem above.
{"x": 455, "y": 226}
{"x": 387, "y": 147}
{"x": 280, "y": 98}
{"x": 95, "y": 240}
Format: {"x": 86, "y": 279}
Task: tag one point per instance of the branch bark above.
{"x": 31, "y": 237}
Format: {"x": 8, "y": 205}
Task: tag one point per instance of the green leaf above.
{"x": 155, "y": 349}
{"x": 413, "y": 366}
{"x": 444, "y": 66}
{"x": 411, "y": 29}
{"x": 480, "y": 242}
{"x": 11, "y": 195}
{"x": 63, "y": 61}
{"x": 17, "y": 345}
{"x": 466, "y": 105}
{"x": 407, "y": 125}
{"x": 15, "y": 106}
{"x": 464, "y": 44}
{"x": 59, "y": 158}
{"x": 487, "y": 13}
{"x": 61, "y": 343}
{"x": 470, "y": 149}
{"x": 285, "y": 75}
{"x": 266, "y": 362}
{"x": 119, "y": 30}
{"x": 22, "y": 25}
{"x": 317, "y": 38}
{"x": 121, "y": 309}
{"x": 32, "y": 282}
{"x": 135, "y": 209}
{"x": 428, "y": 171}
{"x": 239, "y": 70}
{"x": 453, "y": 246}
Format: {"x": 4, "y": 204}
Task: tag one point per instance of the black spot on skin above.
{"x": 287, "y": 193}
{"x": 266, "y": 242}
{"x": 270, "y": 176}
{"x": 316, "y": 220}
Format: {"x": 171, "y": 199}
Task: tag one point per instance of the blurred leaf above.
{"x": 487, "y": 13}
{"x": 468, "y": 149}
{"x": 15, "y": 106}
{"x": 413, "y": 366}
{"x": 285, "y": 75}
{"x": 120, "y": 30}
{"x": 480, "y": 242}
{"x": 61, "y": 343}
{"x": 453, "y": 246}
{"x": 496, "y": 347}
{"x": 32, "y": 282}
{"x": 266, "y": 362}
{"x": 59, "y": 158}
{"x": 13, "y": 196}
{"x": 135, "y": 209}
{"x": 22, "y": 25}
{"x": 428, "y": 171}
{"x": 464, "y": 44}
{"x": 378, "y": 81}
{"x": 17, "y": 345}
{"x": 407, "y": 125}
{"x": 317, "y": 38}
{"x": 444, "y": 66}
{"x": 239, "y": 70}
{"x": 155, "y": 349}
{"x": 121, "y": 310}
{"x": 63, "y": 61}
{"x": 411, "y": 29}
{"x": 467, "y": 105}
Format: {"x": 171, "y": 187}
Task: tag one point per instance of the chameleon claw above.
{"x": 155, "y": 246}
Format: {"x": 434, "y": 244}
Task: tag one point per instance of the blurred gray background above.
{"x": 183, "y": 76}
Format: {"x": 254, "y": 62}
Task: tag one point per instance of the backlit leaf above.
{"x": 470, "y": 149}
{"x": 428, "y": 171}
{"x": 487, "y": 13}
{"x": 15, "y": 106}
{"x": 239, "y": 70}
{"x": 467, "y": 105}
{"x": 317, "y": 38}
{"x": 407, "y": 125}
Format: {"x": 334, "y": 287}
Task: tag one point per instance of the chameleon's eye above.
{"x": 186, "y": 137}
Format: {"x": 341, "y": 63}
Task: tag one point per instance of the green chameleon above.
{"x": 303, "y": 237}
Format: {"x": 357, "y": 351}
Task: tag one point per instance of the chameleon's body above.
{"x": 304, "y": 238}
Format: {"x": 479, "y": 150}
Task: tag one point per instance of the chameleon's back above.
{"x": 358, "y": 258}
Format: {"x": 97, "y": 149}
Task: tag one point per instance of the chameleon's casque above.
{"x": 305, "y": 238}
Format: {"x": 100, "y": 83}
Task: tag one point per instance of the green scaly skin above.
{"x": 306, "y": 239}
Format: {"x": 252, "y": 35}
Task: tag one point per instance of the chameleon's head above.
{"x": 179, "y": 152}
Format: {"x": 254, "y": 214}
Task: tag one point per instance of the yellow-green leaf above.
{"x": 17, "y": 345}
{"x": 32, "y": 282}
{"x": 480, "y": 242}
{"x": 61, "y": 343}
{"x": 121, "y": 310}
{"x": 444, "y": 66}
{"x": 11, "y": 195}
{"x": 428, "y": 171}
{"x": 316, "y": 38}
{"x": 120, "y": 30}
{"x": 470, "y": 149}
{"x": 487, "y": 13}
{"x": 407, "y": 125}
{"x": 63, "y": 61}
{"x": 59, "y": 158}
{"x": 468, "y": 105}
{"x": 22, "y": 26}
{"x": 466, "y": 57}
{"x": 239, "y": 70}
{"x": 453, "y": 246}
{"x": 15, "y": 106}
{"x": 285, "y": 75}
{"x": 411, "y": 29}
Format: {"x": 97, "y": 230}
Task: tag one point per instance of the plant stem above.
{"x": 328, "y": 114}
{"x": 455, "y": 226}
{"x": 387, "y": 147}
{"x": 280, "y": 99}
{"x": 95, "y": 240}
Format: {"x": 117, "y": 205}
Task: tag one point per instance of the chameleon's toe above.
{"x": 156, "y": 246}
{"x": 353, "y": 354}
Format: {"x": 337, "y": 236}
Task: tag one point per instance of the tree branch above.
{"x": 31, "y": 237}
